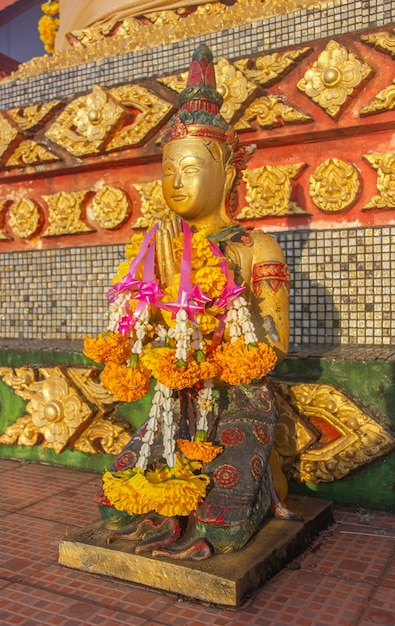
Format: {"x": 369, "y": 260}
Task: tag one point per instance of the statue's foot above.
{"x": 281, "y": 511}
{"x": 195, "y": 549}
{"x": 153, "y": 535}
{"x": 148, "y": 528}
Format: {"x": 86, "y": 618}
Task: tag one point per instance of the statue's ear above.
{"x": 230, "y": 174}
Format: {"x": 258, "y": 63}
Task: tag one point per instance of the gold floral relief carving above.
{"x": 9, "y": 136}
{"x": 66, "y": 213}
{"x": 271, "y": 67}
{"x": 333, "y": 78}
{"x": 85, "y": 125}
{"x": 67, "y": 408}
{"x": 30, "y": 153}
{"x": 111, "y": 207}
{"x": 384, "y": 164}
{"x": 153, "y": 205}
{"x": 34, "y": 115}
{"x": 349, "y": 438}
{"x": 384, "y": 101}
{"x": 233, "y": 86}
{"x": 334, "y": 185}
{"x": 25, "y": 218}
{"x": 151, "y": 111}
{"x": 4, "y": 236}
{"x": 270, "y": 111}
{"x": 268, "y": 191}
{"x": 385, "y": 42}
{"x": 56, "y": 413}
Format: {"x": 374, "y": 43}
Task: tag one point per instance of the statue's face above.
{"x": 194, "y": 178}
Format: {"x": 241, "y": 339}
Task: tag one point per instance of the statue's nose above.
{"x": 177, "y": 181}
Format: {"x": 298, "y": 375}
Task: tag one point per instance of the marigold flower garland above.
{"x": 171, "y": 336}
{"x": 48, "y": 24}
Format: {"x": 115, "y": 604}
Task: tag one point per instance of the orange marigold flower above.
{"x": 242, "y": 364}
{"x": 125, "y": 383}
{"x": 203, "y": 451}
{"x": 106, "y": 347}
{"x": 209, "y": 369}
{"x": 170, "y": 374}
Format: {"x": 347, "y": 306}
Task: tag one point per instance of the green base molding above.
{"x": 367, "y": 382}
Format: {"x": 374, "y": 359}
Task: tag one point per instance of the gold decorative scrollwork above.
{"x": 348, "y": 439}
{"x": 9, "y": 136}
{"x": 34, "y": 115}
{"x": 25, "y": 218}
{"x": 385, "y": 42}
{"x": 270, "y": 111}
{"x": 111, "y": 207}
{"x": 30, "y": 153}
{"x": 334, "y": 185}
{"x": 4, "y": 236}
{"x": 269, "y": 68}
{"x": 269, "y": 191}
{"x": 66, "y": 213}
{"x": 293, "y": 434}
{"x": 385, "y": 166}
{"x": 333, "y": 78}
{"x": 384, "y": 101}
{"x": 84, "y": 126}
{"x": 112, "y": 38}
{"x": 151, "y": 111}
{"x": 104, "y": 435}
{"x": 153, "y": 205}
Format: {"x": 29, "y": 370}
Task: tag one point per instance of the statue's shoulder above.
{"x": 265, "y": 247}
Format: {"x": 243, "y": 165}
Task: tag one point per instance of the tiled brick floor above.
{"x": 346, "y": 578}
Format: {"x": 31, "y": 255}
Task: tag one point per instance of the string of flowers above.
{"x": 194, "y": 331}
{"x": 48, "y": 24}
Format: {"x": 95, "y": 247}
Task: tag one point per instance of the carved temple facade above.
{"x": 312, "y": 92}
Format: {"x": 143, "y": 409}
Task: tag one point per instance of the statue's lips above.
{"x": 179, "y": 197}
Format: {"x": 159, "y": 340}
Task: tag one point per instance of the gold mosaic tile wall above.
{"x": 342, "y": 291}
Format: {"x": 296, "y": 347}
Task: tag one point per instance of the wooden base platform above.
{"x": 227, "y": 579}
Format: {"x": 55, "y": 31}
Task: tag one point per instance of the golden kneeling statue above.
{"x": 200, "y": 307}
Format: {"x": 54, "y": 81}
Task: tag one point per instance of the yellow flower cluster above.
{"x": 48, "y": 25}
{"x": 240, "y": 363}
{"x": 176, "y": 491}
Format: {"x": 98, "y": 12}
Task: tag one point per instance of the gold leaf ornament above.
{"x": 111, "y": 207}
{"x": 66, "y": 213}
{"x": 334, "y": 185}
{"x": 384, "y": 164}
{"x": 25, "y": 218}
{"x": 268, "y": 191}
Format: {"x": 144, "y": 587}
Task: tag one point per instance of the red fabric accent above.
{"x": 261, "y": 433}
{"x": 276, "y": 274}
{"x": 232, "y": 437}
{"x": 226, "y": 476}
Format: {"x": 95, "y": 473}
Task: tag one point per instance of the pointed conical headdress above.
{"x": 200, "y": 102}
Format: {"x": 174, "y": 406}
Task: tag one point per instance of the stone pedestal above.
{"x": 226, "y": 579}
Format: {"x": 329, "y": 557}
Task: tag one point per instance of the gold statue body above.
{"x": 201, "y": 168}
